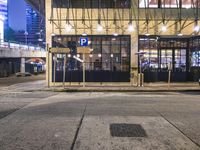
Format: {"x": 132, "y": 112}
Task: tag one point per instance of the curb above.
{"x": 117, "y": 90}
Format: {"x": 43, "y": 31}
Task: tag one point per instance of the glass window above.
{"x": 195, "y": 59}
{"x": 180, "y": 60}
{"x": 166, "y": 58}
{"x": 91, "y": 3}
{"x": 148, "y": 3}
{"x": 170, "y": 3}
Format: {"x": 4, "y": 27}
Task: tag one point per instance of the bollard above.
{"x": 199, "y": 81}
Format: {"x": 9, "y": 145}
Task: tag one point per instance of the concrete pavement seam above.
{"x": 197, "y": 144}
{"x": 78, "y": 128}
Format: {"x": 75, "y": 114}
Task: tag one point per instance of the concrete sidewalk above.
{"x": 148, "y": 87}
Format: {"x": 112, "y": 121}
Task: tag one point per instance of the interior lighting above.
{"x": 196, "y": 28}
{"x": 68, "y": 27}
{"x": 164, "y": 28}
{"x": 130, "y": 27}
{"x": 115, "y": 34}
{"x": 84, "y": 34}
{"x": 180, "y": 34}
{"x": 147, "y": 34}
{"x": 99, "y": 28}
{"x": 69, "y": 55}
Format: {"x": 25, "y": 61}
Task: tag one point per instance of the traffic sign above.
{"x": 83, "y": 41}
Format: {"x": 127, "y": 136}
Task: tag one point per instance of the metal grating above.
{"x": 127, "y": 130}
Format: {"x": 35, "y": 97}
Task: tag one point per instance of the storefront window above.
{"x": 108, "y": 56}
{"x": 180, "y": 60}
{"x": 166, "y": 59}
{"x": 195, "y": 59}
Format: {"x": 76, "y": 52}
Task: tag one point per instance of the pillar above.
{"x": 22, "y": 65}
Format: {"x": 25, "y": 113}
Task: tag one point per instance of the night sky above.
{"x": 17, "y": 14}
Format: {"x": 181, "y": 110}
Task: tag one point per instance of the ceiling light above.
{"x": 99, "y": 55}
{"x": 180, "y": 34}
{"x": 53, "y": 34}
{"x": 196, "y": 28}
{"x": 130, "y": 27}
{"x": 147, "y": 34}
{"x": 90, "y": 55}
{"x": 115, "y": 34}
{"x": 111, "y": 55}
{"x": 99, "y": 28}
{"x": 84, "y": 34}
{"x": 69, "y": 55}
{"x": 78, "y": 55}
{"x": 68, "y": 27}
{"x": 164, "y": 28}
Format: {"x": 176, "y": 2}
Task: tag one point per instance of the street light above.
{"x": 26, "y": 34}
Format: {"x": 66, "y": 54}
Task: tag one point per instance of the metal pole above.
{"x": 48, "y": 65}
{"x": 169, "y": 78}
{"x": 54, "y": 72}
{"x": 84, "y": 68}
{"x": 169, "y": 75}
{"x": 64, "y": 68}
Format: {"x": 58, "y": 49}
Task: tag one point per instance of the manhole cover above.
{"x": 127, "y": 130}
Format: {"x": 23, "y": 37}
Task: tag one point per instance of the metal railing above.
{"x": 20, "y": 46}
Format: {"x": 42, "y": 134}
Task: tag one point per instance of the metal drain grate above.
{"x": 127, "y": 130}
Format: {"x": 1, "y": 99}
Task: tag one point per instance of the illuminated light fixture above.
{"x": 78, "y": 55}
{"x": 187, "y": 6}
{"x": 130, "y": 27}
{"x": 69, "y": 55}
{"x": 99, "y": 55}
{"x": 90, "y": 55}
{"x": 40, "y": 40}
{"x": 113, "y": 39}
{"x": 196, "y": 28}
{"x": 53, "y": 34}
{"x": 84, "y": 34}
{"x": 180, "y": 34}
{"x": 59, "y": 39}
{"x": 99, "y": 28}
{"x": 115, "y": 34}
{"x": 111, "y": 55}
{"x": 164, "y": 28}
{"x": 68, "y": 27}
{"x": 147, "y": 34}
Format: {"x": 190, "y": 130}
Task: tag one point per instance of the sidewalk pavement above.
{"x": 148, "y": 87}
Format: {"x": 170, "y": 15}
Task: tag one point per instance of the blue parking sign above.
{"x": 83, "y": 41}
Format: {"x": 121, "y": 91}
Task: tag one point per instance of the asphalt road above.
{"x": 81, "y": 121}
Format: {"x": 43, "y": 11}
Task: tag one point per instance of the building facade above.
{"x": 3, "y": 17}
{"x": 164, "y": 33}
{"x": 35, "y": 33}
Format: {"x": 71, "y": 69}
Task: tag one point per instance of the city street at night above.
{"x": 46, "y": 120}
{"x": 99, "y": 74}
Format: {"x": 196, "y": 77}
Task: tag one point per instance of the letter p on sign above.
{"x": 83, "y": 41}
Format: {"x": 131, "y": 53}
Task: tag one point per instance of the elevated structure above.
{"x": 13, "y": 57}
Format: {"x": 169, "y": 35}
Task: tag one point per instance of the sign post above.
{"x": 84, "y": 43}
{"x": 140, "y": 75}
{"x": 54, "y": 69}
{"x": 169, "y": 74}
{"x": 64, "y": 69}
